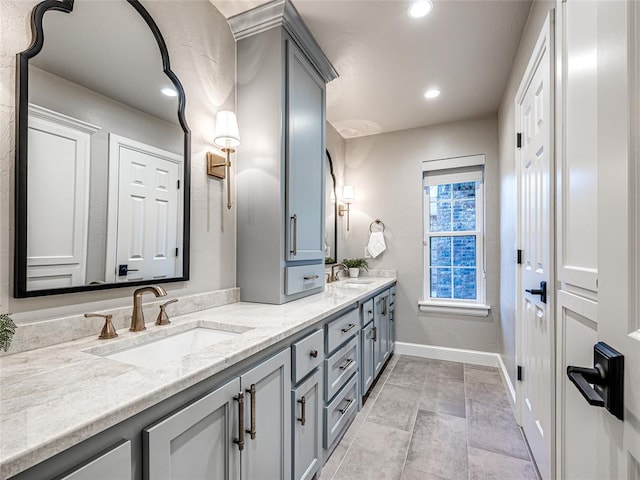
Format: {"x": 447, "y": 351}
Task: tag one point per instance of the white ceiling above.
{"x": 386, "y": 60}
{"x": 107, "y": 47}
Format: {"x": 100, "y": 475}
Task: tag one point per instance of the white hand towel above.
{"x": 376, "y": 244}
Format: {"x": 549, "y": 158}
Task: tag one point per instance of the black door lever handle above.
{"x": 581, "y": 377}
{"x": 542, "y": 291}
{"x": 607, "y": 378}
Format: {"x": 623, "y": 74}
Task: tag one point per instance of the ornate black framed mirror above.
{"x": 331, "y": 215}
{"x": 102, "y": 196}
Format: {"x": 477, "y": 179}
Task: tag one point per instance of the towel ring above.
{"x": 377, "y": 222}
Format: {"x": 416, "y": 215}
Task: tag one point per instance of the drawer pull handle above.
{"x": 240, "y": 440}
{"x": 369, "y": 312}
{"x": 348, "y": 327}
{"x": 311, "y": 277}
{"x": 303, "y": 417}
{"x": 252, "y": 392}
{"x": 313, "y": 353}
{"x": 375, "y": 334}
{"x": 347, "y": 364}
{"x": 346, "y": 407}
{"x": 294, "y": 248}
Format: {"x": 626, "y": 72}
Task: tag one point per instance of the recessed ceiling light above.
{"x": 169, "y": 92}
{"x": 433, "y": 93}
{"x": 420, "y": 8}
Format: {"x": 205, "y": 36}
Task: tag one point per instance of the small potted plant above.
{"x": 354, "y": 265}
{"x": 7, "y": 329}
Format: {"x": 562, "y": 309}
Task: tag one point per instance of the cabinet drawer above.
{"x": 367, "y": 311}
{"x": 305, "y": 277}
{"x": 339, "y": 367}
{"x": 340, "y": 412}
{"x": 342, "y": 329}
{"x": 307, "y": 355}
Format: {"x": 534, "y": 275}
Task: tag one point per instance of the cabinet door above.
{"x": 381, "y": 330}
{"x": 304, "y": 159}
{"x": 366, "y": 367}
{"x": 197, "y": 441}
{"x": 307, "y": 427}
{"x": 267, "y": 387}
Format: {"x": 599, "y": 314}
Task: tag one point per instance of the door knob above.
{"x": 607, "y": 378}
{"x": 542, "y": 291}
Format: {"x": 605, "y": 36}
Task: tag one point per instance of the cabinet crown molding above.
{"x": 282, "y": 13}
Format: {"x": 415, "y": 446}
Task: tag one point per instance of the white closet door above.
{"x": 146, "y": 229}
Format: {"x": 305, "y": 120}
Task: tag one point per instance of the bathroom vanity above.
{"x": 275, "y": 395}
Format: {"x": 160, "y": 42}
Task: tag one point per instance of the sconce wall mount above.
{"x": 227, "y": 137}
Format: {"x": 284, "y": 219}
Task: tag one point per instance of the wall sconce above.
{"x": 227, "y": 137}
{"x": 347, "y": 197}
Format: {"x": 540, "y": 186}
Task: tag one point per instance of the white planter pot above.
{"x": 354, "y": 272}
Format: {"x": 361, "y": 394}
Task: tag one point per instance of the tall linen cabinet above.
{"x": 282, "y": 73}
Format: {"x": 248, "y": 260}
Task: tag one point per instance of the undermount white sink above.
{"x": 157, "y": 352}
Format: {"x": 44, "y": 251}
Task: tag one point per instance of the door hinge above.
{"x": 519, "y": 257}
{"x": 176, "y": 251}
{"x": 178, "y": 184}
{"x": 519, "y": 140}
{"x": 519, "y": 374}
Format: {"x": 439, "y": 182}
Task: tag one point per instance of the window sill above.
{"x": 473, "y": 309}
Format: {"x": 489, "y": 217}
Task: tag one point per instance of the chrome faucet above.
{"x": 334, "y": 275}
{"x": 137, "y": 317}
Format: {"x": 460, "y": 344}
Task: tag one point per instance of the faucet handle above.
{"x": 108, "y": 330}
{"x": 163, "y": 318}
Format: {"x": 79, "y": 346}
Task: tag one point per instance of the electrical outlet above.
{"x": 366, "y": 253}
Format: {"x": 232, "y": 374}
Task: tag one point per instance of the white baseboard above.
{"x": 473, "y": 357}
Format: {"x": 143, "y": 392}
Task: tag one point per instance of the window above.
{"x": 453, "y": 228}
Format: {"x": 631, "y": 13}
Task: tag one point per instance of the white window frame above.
{"x": 455, "y": 170}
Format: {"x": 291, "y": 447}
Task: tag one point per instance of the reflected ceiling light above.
{"x": 169, "y": 92}
{"x": 420, "y": 8}
{"x": 433, "y": 93}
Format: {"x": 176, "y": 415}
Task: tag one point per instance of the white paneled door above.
{"x": 535, "y": 224}
{"x": 145, "y": 236}
{"x": 601, "y": 52}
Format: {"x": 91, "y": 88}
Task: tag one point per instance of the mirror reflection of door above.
{"x": 144, "y": 217}
{"x": 58, "y": 178}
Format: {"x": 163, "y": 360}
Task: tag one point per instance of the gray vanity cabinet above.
{"x": 280, "y": 164}
{"x": 267, "y": 415}
{"x": 368, "y": 346}
{"x": 197, "y": 441}
{"x": 115, "y": 463}
{"x": 202, "y": 440}
{"x": 304, "y": 159}
{"x": 381, "y": 330}
{"x": 307, "y": 427}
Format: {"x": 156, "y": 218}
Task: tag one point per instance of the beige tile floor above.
{"x": 433, "y": 420}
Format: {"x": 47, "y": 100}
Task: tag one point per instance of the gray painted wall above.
{"x": 386, "y": 173}
{"x": 202, "y": 53}
{"x": 508, "y": 192}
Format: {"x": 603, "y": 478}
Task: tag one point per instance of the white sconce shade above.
{"x": 348, "y": 194}
{"x": 227, "y": 133}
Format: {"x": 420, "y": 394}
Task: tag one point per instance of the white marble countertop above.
{"x": 55, "y": 397}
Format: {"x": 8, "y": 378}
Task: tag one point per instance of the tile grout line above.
{"x": 466, "y": 417}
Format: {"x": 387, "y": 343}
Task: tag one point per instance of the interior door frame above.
{"x": 115, "y": 142}
{"x": 546, "y": 39}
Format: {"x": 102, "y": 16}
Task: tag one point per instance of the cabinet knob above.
{"x": 313, "y": 353}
